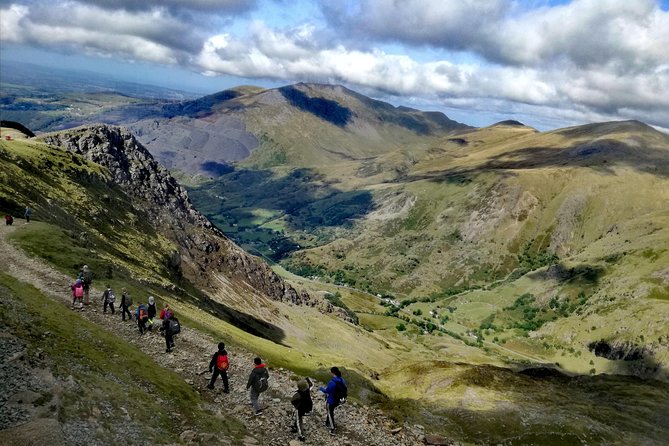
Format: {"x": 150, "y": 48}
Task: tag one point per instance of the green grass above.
{"x": 106, "y": 367}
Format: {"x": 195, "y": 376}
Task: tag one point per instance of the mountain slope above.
{"x": 449, "y": 384}
{"x": 303, "y": 124}
{"x": 503, "y": 237}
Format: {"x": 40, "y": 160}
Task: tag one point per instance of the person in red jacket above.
{"x": 219, "y": 366}
{"x": 77, "y": 293}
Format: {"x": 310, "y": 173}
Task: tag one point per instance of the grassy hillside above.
{"x": 543, "y": 247}
{"x": 438, "y": 374}
{"x": 98, "y": 387}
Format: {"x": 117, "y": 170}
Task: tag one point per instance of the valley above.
{"x": 495, "y": 286}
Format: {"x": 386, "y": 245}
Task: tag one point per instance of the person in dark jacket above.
{"x": 303, "y": 405}
{"x": 27, "y": 214}
{"x": 151, "y": 308}
{"x": 219, "y": 366}
{"x": 108, "y": 299}
{"x": 126, "y": 301}
{"x": 169, "y": 335}
{"x": 256, "y": 384}
{"x": 331, "y": 402}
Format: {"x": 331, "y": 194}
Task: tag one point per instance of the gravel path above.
{"x": 357, "y": 425}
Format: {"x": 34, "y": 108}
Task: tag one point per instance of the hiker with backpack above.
{"x": 164, "y": 312}
{"x": 77, "y": 293}
{"x": 108, "y": 299}
{"x": 219, "y": 365}
{"x": 151, "y": 309}
{"x": 126, "y": 302}
{"x": 170, "y": 328}
{"x": 28, "y": 213}
{"x": 336, "y": 392}
{"x": 303, "y": 405}
{"x": 257, "y": 383}
{"x": 86, "y": 276}
{"x": 142, "y": 316}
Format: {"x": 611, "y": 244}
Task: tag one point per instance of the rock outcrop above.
{"x": 203, "y": 248}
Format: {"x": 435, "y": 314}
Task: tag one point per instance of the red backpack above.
{"x": 78, "y": 291}
{"x": 222, "y": 362}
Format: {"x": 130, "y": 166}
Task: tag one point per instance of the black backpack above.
{"x": 174, "y": 327}
{"x": 340, "y": 392}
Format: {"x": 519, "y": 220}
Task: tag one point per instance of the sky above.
{"x": 545, "y": 63}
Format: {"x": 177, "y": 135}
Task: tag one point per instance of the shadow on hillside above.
{"x": 325, "y": 109}
{"x": 601, "y": 155}
{"x": 302, "y": 201}
{"x": 546, "y": 409}
{"x": 243, "y": 321}
{"x": 582, "y": 274}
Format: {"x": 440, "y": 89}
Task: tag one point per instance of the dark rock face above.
{"x": 616, "y": 352}
{"x": 203, "y": 248}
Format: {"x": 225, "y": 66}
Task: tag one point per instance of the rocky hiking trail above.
{"x": 357, "y": 424}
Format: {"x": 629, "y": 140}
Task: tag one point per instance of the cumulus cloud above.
{"x": 586, "y": 58}
{"x": 456, "y": 24}
{"x": 631, "y": 34}
{"x": 152, "y": 35}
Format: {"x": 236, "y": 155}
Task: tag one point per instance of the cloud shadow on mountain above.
{"x": 325, "y": 109}
{"x": 602, "y": 155}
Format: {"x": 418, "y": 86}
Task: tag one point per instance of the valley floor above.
{"x": 357, "y": 425}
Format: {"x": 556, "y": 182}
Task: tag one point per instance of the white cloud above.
{"x": 597, "y": 58}
{"x": 152, "y": 35}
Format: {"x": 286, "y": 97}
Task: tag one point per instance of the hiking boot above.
{"x": 301, "y": 438}
{"x": 259, "y": 412}
{"x": 168, "y": 350}
{"x": 332, "y": 432}
{"x": 226, "y": 390}
{"x": 209, "y": 386}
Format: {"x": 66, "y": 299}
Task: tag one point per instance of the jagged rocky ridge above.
{"x": 203, "y": 248}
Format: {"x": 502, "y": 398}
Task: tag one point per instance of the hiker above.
{"x": 169, "y": 328}
{"x": 142, "y": 315}
{"x": 151, "y": 309}
{"x": 126, "y": 302}
{"x": 9, "y": 220}
{"x": 77, "y": 293}
{"x": 258, "y": 383}
{"x": 219, "y": 366}
{"x": 27, "y": 214}
{"x": 86, "y": 276}
{"x": 108, "y": 299}
{"x": 336, "y": 393}
{"x": 303, "y": 405}
{"x": 164, "y": 312}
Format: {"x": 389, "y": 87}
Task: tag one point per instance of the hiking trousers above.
{"x": 254, "y": 399}
{"x": 298, "y": 423}
{"x": 224, "y": 376}
{"x": 330, "y": 422}
{"x": 124, "y": 310}
{"x": 87, "y": 299}
{"x": 111, "y": 307}
{"x": 169, "y": 341}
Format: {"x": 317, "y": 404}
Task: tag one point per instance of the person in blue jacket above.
{"x": 336, "y": 392}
